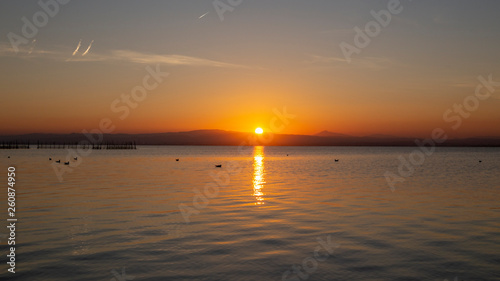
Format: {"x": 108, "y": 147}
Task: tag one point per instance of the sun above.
{"x": 259, "y": 131}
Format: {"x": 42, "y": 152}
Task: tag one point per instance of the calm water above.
{"x": 116, "y": 215}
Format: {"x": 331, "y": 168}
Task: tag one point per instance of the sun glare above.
{"x": 259, "y": 131}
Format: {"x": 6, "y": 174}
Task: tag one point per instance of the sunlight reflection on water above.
{"x": 258, "y": 174}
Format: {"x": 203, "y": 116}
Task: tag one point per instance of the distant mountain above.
{"x": 381, "y": 136}
{"x": 330, "y": 134}
{"x": 220, "y": 137}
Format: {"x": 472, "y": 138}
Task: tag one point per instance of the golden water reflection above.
{"x": 258, "y": 174}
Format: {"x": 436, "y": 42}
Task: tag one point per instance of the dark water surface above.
{"x": 116, "y": 215}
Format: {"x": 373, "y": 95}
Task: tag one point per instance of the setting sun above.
{"x": 259, "y": 131}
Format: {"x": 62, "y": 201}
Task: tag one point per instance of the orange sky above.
{"x": 231, "y": 74}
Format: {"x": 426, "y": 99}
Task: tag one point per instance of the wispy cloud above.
{"x": 77, "y": 47}
{"x": 114, "y": 56}
{"x": 144, "y": 58}
{"x": 412, "y": 23}
{"x": 88, "y": 49}
{"x": 322, "y": 59}
{"x": 6, "y": 50}
{"x": 374, "y": 63}
{"x": 442, "y": 19}
{"x": 463, "y": 85}
{"x": 336, "y": 31}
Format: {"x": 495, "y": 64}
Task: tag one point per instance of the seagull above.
{"x": 58, "y": 161}
{"x": 66, "y": 163}
{"x": 218, "y": 166}
{"x": 336, "y": 160}
{"x": 76, "y": 158}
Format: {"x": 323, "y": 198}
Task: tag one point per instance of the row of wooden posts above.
{"x": 56, "y": 145}
{"x": 14, "y": 145}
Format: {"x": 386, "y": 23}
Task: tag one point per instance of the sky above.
{"x": 232, "y": 64}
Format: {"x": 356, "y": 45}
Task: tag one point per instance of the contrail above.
{"x": 77, "y": 47}
{"x": 88, "y": 49}
{"x": 203, "y": 15}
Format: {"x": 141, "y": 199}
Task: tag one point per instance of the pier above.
{"x": 14, "y": 145}
{"x": 85, "y": 146}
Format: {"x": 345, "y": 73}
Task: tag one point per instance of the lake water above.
{"x": 116, "y": 215}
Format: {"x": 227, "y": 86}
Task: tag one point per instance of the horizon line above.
{"x": 379, "y": 135}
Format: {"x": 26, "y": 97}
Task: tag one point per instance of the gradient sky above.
{"x": 230, "y": 74}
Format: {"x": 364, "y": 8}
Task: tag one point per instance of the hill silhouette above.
{"x": 221, "y": 137}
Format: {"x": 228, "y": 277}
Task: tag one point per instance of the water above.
{"x": 116, "y": 215}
